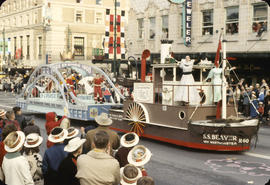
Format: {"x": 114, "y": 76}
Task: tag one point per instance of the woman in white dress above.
{"x": 215, "y": 76}
{"x": 186, "y": 92}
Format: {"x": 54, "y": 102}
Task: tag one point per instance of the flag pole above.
{"x": 224, "y": 82}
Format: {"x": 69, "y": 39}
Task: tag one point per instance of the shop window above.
{"x": 141, "y": 28}
{"x": 259, "y": 19}
{"x": 79, "y": 46}
{"x": 152, "y": 27}
{"x": 207, "y": 25}
{"x": 232, "y": 20}
{"x": 165, "y": 26}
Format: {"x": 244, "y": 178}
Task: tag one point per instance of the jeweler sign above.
{"x": 188, "y": 22}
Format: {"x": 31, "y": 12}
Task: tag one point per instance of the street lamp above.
{"x": 136, "y": 65}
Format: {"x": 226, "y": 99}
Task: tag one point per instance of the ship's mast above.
{"x": 224, "y": 82}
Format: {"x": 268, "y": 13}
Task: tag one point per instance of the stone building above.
{"x": 245, "y": 23}
{"x": 36, "y": 30}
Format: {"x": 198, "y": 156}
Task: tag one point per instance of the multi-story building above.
{"x": 36, "y": 30}
{"x": 245, "y": 23}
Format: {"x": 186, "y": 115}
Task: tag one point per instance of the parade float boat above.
{"x": 153, "y": 113}
{"x": 51, "y": 89}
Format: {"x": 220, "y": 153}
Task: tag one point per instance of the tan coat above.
{"x": 114, "y": 138}
{"x": 98, "y": 167}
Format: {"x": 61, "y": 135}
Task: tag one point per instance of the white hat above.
{"x": 74, "y": 144}
{"x": 58, "y": 135}
{"x": 139, "y": 155}
{"x": 17, "y": 144}
{"x": 2, "y": 112}
{"x": 125, "y": 143}
{"x": 103, "y": 119}
{"x": 33, "y": 140}
{"x": 72, "y": 132}
{"x": 129, "y": 181}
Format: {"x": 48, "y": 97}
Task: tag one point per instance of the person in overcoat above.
{"x": 68, "y": 167}
{"x": 104, "y": 122}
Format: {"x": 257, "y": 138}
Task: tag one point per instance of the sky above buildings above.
{"x": 141, "y": 5}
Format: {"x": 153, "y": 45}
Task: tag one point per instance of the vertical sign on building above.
{"x": 188, "y": 18}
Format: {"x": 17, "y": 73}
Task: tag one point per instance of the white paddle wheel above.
{"x": 138, "y": 115}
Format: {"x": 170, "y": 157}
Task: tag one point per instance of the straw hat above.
{"x": 74, "y": 144}
{"x": 139, "y": 155}
{"x": 58, "y": 135}
{"x": 33, "y": 140}
{"x": 103, "y": 119}
{"x": 17, "y": 144}
{"x": 129, "y": 181}
{"x": 72, "y": 132}
{"x": 129, "y": 140}
{"x": 2, "y": 112}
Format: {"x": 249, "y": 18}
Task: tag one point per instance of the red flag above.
{"x": 218, "y": 54}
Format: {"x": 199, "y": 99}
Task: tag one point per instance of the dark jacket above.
{"x": 121, "y": 156}
{"x": 21, "y": 120}
{"x": 67, "y": 171}
{"x": 50, "y": 164}
{"x": 5, "y": 122}
{"x": 31, "y": 128}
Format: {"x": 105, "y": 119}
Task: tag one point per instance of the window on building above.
{"x": 21, "y": 21}
{"x": 78, "y": 1}
{"x": 15, "y": 46}
{"x": 207, "y": 26}
{"x": 141, "y": 28}
{"x": 79, "y": 16}
{"x": 79, "y": 46}
{"x": 152, "y": 28}
{"x": 39, "y": 47}
{"x": 259, "y": 19}
{"x": 21, "y": 46}
{"x": 98, "y": 2}
{"x": 28, "y": 47}
{"x": 232, "y": 20}
{"x": 118, "y": 3}
{"x": 27, "y": 19}
{"x": 165, "y": 26}
{"x": 181, "y": 26}
{"x": 35, "y": 18}
{"x": 99, "y": 18}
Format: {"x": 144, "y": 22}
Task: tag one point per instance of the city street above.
{"x": 173, "y": 165}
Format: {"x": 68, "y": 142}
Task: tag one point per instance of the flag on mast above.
{"x": 218, "y": 53}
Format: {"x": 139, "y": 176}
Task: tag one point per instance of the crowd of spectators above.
{"x": 253, "y": 102}
{"x": 91, "y": 155}
{"x": 14, "y": 83}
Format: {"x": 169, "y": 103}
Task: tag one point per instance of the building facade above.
{"x": 35, "y": 31}
{"x": 245, "y": 23}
